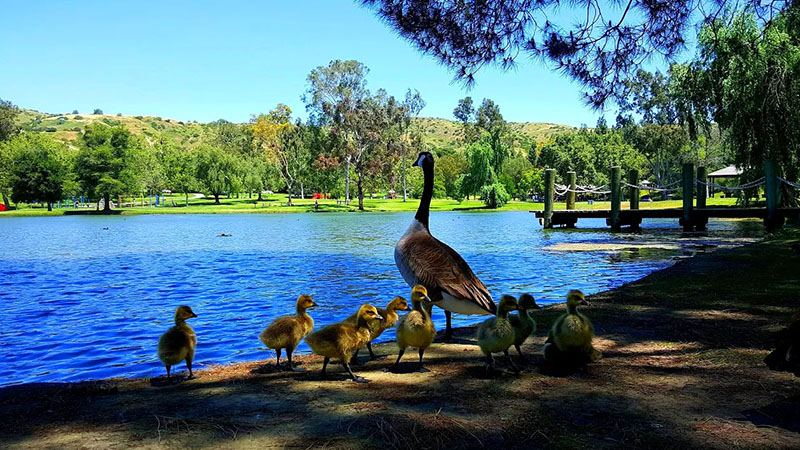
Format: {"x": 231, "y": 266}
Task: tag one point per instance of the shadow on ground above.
{"x": 682, "y": 369}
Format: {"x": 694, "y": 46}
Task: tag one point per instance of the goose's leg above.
{"x": 490, "y": 362}
{"x": 324, "y": 374}
{"x": 169, "y": 378}
{"x": 354, "y": 359}
{"x": 518, "y": 350}
{"x": 510, "y": 361}
{"x": 189, "y": 366}
{"x": 397, "y": 363}
{"x": 355, "y": 378}
{"x": 448, "y": 332}
{"x": 278, "y": 358}
{"x": 372, "y": 355}
{"x": 421, "y": 368}
{"x": 291, "y": 366}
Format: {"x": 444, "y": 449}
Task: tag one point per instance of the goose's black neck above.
{"x": 427, "y": 193}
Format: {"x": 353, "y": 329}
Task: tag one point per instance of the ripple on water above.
{"x": 93, "y": 303}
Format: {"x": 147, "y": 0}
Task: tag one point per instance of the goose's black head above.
{"x": 425, "y": 159}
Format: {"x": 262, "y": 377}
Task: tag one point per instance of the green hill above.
{"x": 439, "y": 133}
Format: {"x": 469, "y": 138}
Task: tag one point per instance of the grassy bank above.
{"x": 682, "y": 368}
{"x": 278, "y": 203}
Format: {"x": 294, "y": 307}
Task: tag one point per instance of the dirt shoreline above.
{"x": 682, "y": 369}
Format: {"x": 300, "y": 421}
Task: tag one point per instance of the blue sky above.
{"x": 208, "y": 60}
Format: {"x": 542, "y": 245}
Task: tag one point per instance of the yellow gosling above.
{"x": 415, "y": 329}
{"x": 377, "y": 327}
{"x": 179, "y": 342}
{"x": 340, "y": 340}
{"x": 523, "y": 323}
{"x": 570, "y": 338}
{"x": 496, "y": 334}
{"x": 286, "y": 332}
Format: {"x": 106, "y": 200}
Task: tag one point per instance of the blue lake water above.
{"x": 88, "y": 297}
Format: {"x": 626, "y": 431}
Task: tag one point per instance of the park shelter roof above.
{"x": 726, "y": 172}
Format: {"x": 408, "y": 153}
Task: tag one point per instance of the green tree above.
{"x": 332, "y": 93}
{"x": 412, "y": 106}
{"x": 8, "y": 129}
{"x": 449, "y": 169}
{"x": 38, "y": 172}
{"x": 180, "y": 171}
{"x": 102, "y": 164}
{"x": 489, "y": 119}
{"x": 216, "y": 170}
{"x": 98, "y": 111}
{"x": 479, "y": 169}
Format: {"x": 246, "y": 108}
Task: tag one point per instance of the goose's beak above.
{"x": 314, "y": 305}
{"x": 378, "y": 316}
{"x": 427, "y": 299}
{"x": 584, "y": 302}
{"x": 194, "y": 315}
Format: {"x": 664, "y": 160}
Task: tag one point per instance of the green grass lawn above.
{"x": 277, "y": 203}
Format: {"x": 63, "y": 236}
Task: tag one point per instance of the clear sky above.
{"x": 198, "y": 60}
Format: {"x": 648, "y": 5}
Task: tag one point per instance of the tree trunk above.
{"x": 347, "y": 182}
{"x": 216, "y": 198}
{"x": 360, "y": 194}
{"x": 5, "y": 201}
{"x": 107, "y": 206}
{"x": 187, "y": 198}
{"x": 290, "y": 196}
{"x": 302, "y": 191}
{"x": 259, "y": 196}
{"x": 49, "y": 207}
{"x": 405, "y": 197}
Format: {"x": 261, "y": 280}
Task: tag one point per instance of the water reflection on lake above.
{"x": 88, "y": 297}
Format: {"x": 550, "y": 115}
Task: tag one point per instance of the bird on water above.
{"x": 423, "y": 259}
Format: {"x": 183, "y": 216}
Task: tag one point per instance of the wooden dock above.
{"x": 633, "y": 217}
{"x": 692, "y": 216}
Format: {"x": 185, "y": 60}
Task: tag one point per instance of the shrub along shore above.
{"x": 278, "y": 203}
{"x": 682, "y": 368}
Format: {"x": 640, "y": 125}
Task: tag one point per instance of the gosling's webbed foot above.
{"x": 359, "y": 379}
{"x": 422, "y": 369}
{"x": 296, "y": 369}
{"x": 377, "y": 358}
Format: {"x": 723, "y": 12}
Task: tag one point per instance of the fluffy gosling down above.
{"x": 340, "y": 340}
{"x": 570, "y": 339}
{"x": 496, "y": 334}
{"x": 179, "y": 342}
{"x": 286, "y": 332}
{"x": 416, "y": 328}
{"x": 523, "y": 323}
{"x": 377, "y": 327}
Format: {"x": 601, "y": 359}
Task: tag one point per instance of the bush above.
{"x": 119, "y": 114}
{"x": 139, "y": 117}
{"x": 494, "y": 195}
{"x": 78, "y": 118}
{"x": 98, "y": 111}
{"x": 78, "y": 129}
{"x": 74, "y": 111}
{"x": 50, "y": 129}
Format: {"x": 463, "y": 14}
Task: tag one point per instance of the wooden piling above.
{"x": 549, "y": 181}
{"x": 701, "y": 192}
{"x": 616, "y": 197}
{"x": 633, "y": 179}
{"x": 688, "y": 191}
{"x": 572, "y": 183}
{"x": 772, "y": 187}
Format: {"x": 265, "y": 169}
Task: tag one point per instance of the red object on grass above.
{"x": 3, "y": 207}
{"x": 316, "y": 196}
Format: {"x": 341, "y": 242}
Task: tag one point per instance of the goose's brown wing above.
{"x": 441, "y": 269}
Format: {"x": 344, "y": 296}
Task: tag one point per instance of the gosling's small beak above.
{"x": 584, "y": 302}
{"x": 427, "y": 299}
{"x": 378, "y": 316}
{"x": 314, "y": 305}
{"x": 194, "y": 315}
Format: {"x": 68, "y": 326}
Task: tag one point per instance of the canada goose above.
{"x": 286, "y": 332}
{"x": 423, "y": 259}
{"x": 570, "y": 338}
{"x": 523, "y": 323}
{"x": 340, "y": 340}
{"x": 377, "y": 327}
{"x": 415, "y": 329}
{"x": 786, "y": 356}
{"x": 496, "y": 334}
{"x": 179, "y": 342}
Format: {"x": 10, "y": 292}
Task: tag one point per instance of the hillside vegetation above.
{"x": 438, "y": 133}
